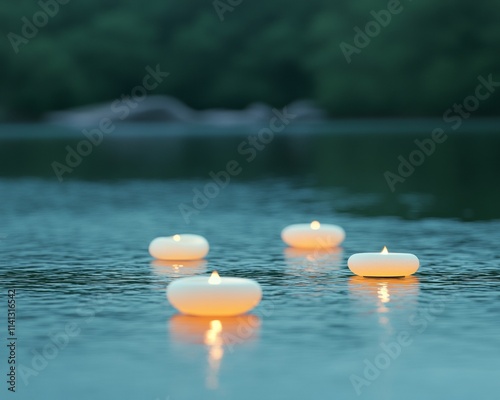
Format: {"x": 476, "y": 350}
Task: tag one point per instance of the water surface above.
{"x": 76, "y": 253}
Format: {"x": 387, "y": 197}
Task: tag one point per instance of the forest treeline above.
{"x": 360, "y": 58}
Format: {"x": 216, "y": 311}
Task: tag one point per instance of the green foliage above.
{"x": 424, "y": 60}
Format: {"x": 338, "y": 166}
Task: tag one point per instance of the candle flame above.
{"x": 214, "y": 278}
{"x": 177, "y": 238}
{"x": 384, "y": 250}
{"x": 315, "y": 225}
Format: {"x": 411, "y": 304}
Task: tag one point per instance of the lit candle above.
{"x": 214, "y": 296}
{"x": 179, "y": 247}
{"x": 383, "y": 264}
{"x": 313, "y": 235}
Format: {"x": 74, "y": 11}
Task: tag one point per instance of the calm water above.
{"x": 77, "y": 253}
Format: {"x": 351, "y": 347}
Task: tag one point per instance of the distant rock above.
{"x": 152, "y": 108}
{"x": 169, "y": 109}
{"x": 254, "y": 113}
{"x": 306, "y": 110}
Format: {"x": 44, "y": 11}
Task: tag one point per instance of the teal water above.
{"x": 76, "y": 253}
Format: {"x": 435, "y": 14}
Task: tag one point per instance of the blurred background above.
{"x": 363, "y": 79}
{"x": 426, "y": 58}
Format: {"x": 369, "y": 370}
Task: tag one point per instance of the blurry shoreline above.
{"x": 352, "y": 155}
{"x": 337, "y": 127}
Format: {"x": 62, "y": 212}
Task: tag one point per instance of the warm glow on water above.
{"x": 213, "y": 334}
{"x": 213, "y": 340}
{"x": 216, "y": 325}
{"x": 96, "y": 262}
{"x": 177, "y": 238}
{"x": 383, "y": 294}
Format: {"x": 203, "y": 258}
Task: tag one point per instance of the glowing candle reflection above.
{"x": 216, "y": 334}
{"x": 318, "y": 261}
{"x": 214, "y": 341}
{"x": 177, "y": 269}
{"x": 385, "y": 296}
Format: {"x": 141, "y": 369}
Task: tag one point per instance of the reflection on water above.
{"x": 385, "y": 295}
{"x": 214, "y": 342}
{"x": 455, "y": 184}
{"x": 178, "y": 269}
{"x": 88, "y": 238}
{"x": 217, "y": 334}
{"x": 312, "y": 260}
{"x": 383, "y": 292}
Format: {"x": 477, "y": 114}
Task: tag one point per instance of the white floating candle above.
{"x": 313, "y": 235}
{"x": 179, "y": 247}
{"x": 383, "y": 264}
{"x": 214, "y": 296}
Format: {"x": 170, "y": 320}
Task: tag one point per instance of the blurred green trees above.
{"x": 424, "y": 60}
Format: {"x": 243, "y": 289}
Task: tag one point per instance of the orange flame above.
{"x": 384, "y": 250}
{"x": 177, "y": 238}
{"x": 214, "y": 278}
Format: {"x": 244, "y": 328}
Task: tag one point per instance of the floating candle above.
{"x": 179, "y": 247}
{"x": 383, "y": 264}
{"x": 214, "y": 296}
{"x": 313, "y": 235}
